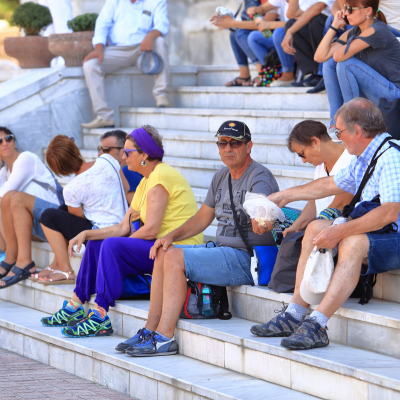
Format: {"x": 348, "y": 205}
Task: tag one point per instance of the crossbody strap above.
{"x": 235, "y": 217}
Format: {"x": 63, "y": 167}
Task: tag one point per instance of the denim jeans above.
{"x": 287, "y": 60}
{"x": 353, "y": 78}
{"x": 260, "y": 45}
{"x": 240, "y": 47}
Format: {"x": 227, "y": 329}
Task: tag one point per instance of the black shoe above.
{"x": 319, "y": 88}
{"x": 311, "y": 81}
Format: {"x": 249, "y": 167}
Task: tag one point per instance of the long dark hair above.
{"x": 374, "y": 4}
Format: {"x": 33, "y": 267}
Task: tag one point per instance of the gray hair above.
{"x": 365, "y": 114}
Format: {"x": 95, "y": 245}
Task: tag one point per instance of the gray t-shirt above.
{"x": 256, "y": 179}
{"x": 383, "y": 55}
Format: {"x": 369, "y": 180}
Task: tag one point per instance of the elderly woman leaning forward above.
{"x": 164, "y": 201}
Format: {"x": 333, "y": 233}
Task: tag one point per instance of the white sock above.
{"x": 296, "y": 311}
{"x": 320, "y": 318}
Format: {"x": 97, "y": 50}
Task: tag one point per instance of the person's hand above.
{"x": 164, "y": 242}
{"x": 77, "y": 240}
{"x": 287, "y": 44}
{"x": 224, "y": 22}
{"x": 279, "y": 199}
{"x": 261, "y": 24}
{"x": 338, "y": 21}
{"x": 252, "y": 11}
{"x": 96, "y": 53}
{"x": 147, "y": 42}
{"x": 259, "y": 229}
{"x": 214, "y": 18}
{"x": 289, "y": 230}
{"x": 329, "y": 237}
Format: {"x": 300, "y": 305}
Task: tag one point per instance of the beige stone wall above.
{"x": 192, "y": 39}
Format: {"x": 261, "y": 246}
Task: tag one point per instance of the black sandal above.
{"x": 7, "y": 267}
{"x": 20, "y": 275}
{"x": 236, "y": 82}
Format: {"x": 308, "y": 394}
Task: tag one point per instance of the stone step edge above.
{"x": 291, "y": 90}
{"x": 269, "y": 346}
{"x": 153, "y": 371}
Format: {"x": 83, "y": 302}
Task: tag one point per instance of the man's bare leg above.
{"x": 174, "y": 291}
{"x": 156, "y": 294}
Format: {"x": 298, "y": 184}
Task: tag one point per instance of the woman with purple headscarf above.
{"x": 162, "y": 202}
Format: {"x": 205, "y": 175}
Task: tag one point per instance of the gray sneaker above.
{"x": 281, "y": 325}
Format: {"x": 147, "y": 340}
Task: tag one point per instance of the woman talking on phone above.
{"x": 364, "y": 61}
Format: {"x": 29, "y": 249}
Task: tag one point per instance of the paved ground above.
{"x": 22, "y": 378}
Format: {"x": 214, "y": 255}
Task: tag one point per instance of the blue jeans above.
{"x": 353, "y": 78}
{"x": 38, "y": 208}
{"x": 287, "y": 60}
{"x": 383, "y": 253}
{"x": 260, "y": 45}
{"x": 240, "y": 47}
{"x": 221, "y": 266}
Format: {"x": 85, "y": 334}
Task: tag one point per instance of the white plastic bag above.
{"x": 318, "y": 271}
{"x": 261, "y": 209}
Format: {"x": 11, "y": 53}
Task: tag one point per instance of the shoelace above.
{"x": 142, "y": 334}
{"x": 313, "y": 319}
{"x": 153, "y": 339}
{"x": 282, "y": 310}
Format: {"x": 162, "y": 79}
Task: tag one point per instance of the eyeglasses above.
{"x": 350, "y": 9}
{"x": 7, "y": 138}
{"x": 127, "y": 151}
{"x": 301, "y": 154}
{"x": 338, "y": 133}
{"x": 106, "y": 149}
{"x": 235, "y": 144}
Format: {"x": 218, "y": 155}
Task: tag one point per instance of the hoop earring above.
{"x": 143, "y": 163}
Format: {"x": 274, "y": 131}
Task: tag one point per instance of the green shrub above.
{"x": 32, "y": 17}
{"x": 84, "y": 22}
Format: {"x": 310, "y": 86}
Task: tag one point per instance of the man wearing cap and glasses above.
{"x": 112, "y": 142}
{"x": 223, "y": 263}
{"x": 124, "y": 30}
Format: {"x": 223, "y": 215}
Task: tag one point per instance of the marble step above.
{"x": 267, "y": 149}
{"x": 336, "y": 372}
{"x": 260, "y": 122}
{"x": 249, "y": 98}
{"x": 147, "y": 378}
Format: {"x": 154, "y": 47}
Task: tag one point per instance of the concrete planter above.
{"x": 30, "y": 51}
{"x": 73, "y": 47}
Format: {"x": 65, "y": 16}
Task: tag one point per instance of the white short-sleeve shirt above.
{"x": 306, "y": 4}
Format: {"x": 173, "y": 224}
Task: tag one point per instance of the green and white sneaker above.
{"x": 64, "y": 317}
{"x": 92, "y": 325}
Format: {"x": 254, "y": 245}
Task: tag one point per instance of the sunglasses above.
{"x": 235, "y": 144}
{"x": 7, "y": 138}
{"x": 301, "y": 154}
{"x": 127, "y": 151}
{"x": 106, "y": 149}
{"x": 338, "y": 133}
{"x": 350, "y": 9}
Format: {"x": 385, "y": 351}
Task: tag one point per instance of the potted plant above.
{"x": 31, "y": 50}
{"x": 73, "y": 47}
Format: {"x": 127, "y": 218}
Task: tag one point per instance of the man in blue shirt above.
{"x": 124, "y": 29}
{"x": 361, "y": 128}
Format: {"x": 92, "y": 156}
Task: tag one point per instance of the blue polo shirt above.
{"x": 132, "y": 177}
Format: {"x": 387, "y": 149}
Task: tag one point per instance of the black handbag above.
{"x": 391, "y": 116}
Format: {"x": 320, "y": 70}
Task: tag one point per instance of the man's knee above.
{"x": 90, "y": 65}
{"x": 316, "y": 227}
{"x": 354, "y": 247}
{"x": 174, "y": 261}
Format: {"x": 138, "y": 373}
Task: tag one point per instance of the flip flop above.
{"x": 35, "y": 276}
{"x": 7, "y": 267}
{"x": 65, "y": 281}
{"x": 20, "y": 275}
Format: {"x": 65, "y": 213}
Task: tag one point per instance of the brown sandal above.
{"x": 237, "y": 82}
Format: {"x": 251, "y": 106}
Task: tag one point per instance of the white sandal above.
{"x": 66, "y": 281}
{"x": 35, "y": 277}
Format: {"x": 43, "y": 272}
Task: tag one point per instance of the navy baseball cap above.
{"x": 234, "y": 129}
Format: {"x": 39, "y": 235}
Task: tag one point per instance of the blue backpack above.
{"x": 136, "y": 285}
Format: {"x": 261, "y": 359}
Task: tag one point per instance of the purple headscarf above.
{"x": 147, "y": 143}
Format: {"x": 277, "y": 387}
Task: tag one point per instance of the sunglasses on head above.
{"x": 106, "y": 149}
{"x": 7, "y": 138}
{"x": 235, "y": 144}
{"x": 350, "y": 9}
{"x": 127, "y": 151}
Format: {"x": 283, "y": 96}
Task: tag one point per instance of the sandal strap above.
{"x": 6, "y": 266}
{"x": 66, "y": 274}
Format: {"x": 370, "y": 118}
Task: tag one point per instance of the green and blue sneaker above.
{"x": 154, "y": 345}
{"x": 64, "y": 317}
{"x": 92, "y": 325}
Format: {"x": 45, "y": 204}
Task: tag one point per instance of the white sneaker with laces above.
{"x": 99, "y": 122}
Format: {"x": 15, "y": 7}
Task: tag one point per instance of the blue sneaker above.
{"x": 154, "y": 345}
{"x": 281, "y": 325}
{"x": 92, "y": 325}
{"x": 309, "y": 335}
{"x": 139, "y": 337}
{"x": 65, "y": 316}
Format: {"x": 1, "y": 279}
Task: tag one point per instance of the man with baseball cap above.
{"x": 223, "y": 263}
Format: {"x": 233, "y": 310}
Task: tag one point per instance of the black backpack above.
{"x": 192, "y": 309}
